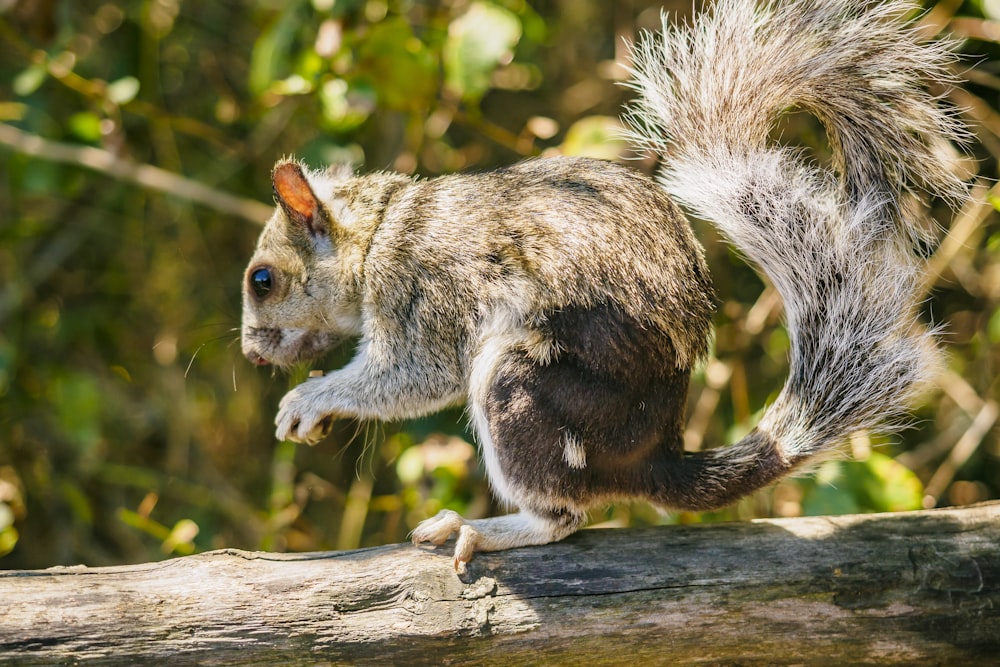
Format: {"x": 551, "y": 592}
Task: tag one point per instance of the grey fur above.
{"x": 837, "y": 245}
{"x": 565, "y": 301}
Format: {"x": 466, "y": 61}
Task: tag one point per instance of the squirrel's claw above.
{"x": 443, "y": 525}
{"x": 301, "y": 415}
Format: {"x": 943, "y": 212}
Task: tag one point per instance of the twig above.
{"x": 147, "y": 176}
{"x": 938, "y": 18}
{"x": 41, "y": 267}
{"x": 495, "y": 133}
{"x": 96, "y": 92}
{"x": 979, "y": 112}
{"x": 965, "y": 398}
{"x": 969, "y": 219}
{"x": 717, "y": 376}
{"x": 961, "y": 452}
{"x": 973, "y": 28}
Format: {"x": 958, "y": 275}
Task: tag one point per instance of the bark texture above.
{"x": 918, "y": 588}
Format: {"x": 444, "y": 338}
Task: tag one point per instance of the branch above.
{"x": 147, "y": 176}
{"x": 916, "y": 588}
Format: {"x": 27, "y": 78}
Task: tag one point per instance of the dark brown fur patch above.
{"x": 714, "y": 478}
{"x": 614, "y": 389}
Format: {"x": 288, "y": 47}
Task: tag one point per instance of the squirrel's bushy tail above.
{"x": 838, "y": 244}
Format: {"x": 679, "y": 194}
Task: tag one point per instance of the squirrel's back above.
{"x": 548, "y": 234}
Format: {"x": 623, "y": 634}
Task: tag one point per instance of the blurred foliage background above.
{"x": 136, "y": 140}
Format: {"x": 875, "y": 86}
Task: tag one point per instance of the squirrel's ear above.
{"x": 297, "y": 199}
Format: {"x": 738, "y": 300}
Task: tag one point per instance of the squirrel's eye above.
{"x": 261, "y": 282}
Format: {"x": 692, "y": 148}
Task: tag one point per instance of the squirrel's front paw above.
{"x": 302, "y": 415}
{"x": 443, "y": 525}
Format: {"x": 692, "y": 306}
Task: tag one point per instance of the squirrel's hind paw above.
{"x": 496, "y": 533}
{"x": 443, "y": 525}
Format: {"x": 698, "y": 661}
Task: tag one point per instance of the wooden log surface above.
{"x": 919, "y": 588}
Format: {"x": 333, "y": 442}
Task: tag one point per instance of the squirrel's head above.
{"x": 301, "y": 290}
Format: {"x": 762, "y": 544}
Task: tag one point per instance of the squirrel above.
{"x": 565, "y": 301}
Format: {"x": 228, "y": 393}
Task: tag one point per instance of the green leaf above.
{"x": 478, "y": 42}
{"x": 829, "y": 501}
{"x": 78, "y": 402}
{"x": 994, "y": 202}
{"x": 395, "y": 63}
{"x": 410, "y": 465}
{"x": 890, "y": 486}
{"x": 6, "y": 516}
{"x": 533, "y": 24}
{"x": 143, "y": 523}
{"x": 77, "y": 501}
{"x": 85, "y": 126}
{"x": 12, "y": 111}
{"x": 345, "y": 106}
{"x": 271, "y": 55}
{"x": 293, "y": 85}
{"x": 181, "y": 538}
{"x": 8, "y": 538}
{"x": 7, "y": 358}
{"x": 877, "y": 484}
{"x": 994, "y": 327}
{"x": 594, "y": 136}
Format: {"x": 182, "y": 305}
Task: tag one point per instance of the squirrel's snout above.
{"x": 256, "y": 358}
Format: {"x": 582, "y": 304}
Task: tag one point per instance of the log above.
{"x": 919, "y": 588}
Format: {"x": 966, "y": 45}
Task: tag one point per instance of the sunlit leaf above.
{"x": 143, "y": 523}
{"x": 994, "y": 327}
{"x": 345, "y": 106}
{"x": 181, "y": 538}
{"x": 991, "y": 8}
{"x": 877, "y": 484}
{"x": 410, "y": 465}
{"x": 594, "y": 136}
{"x": 123, "y": 90}
{"x": 29, "y": 80}
{"x": 271, "y": 55}
{"x": 293, "y": 85}
{"x": 12, "y": 111}
{"x": 85, "y": 126}
{"x": 6, "y": 516}
{"x": 478, "y": 41}
{"x": 398, "y": 66}
{"x": 8, "y": 540}
{"x": 891, "y": 486}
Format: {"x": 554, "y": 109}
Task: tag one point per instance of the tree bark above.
{"x": 919, "y": 588}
